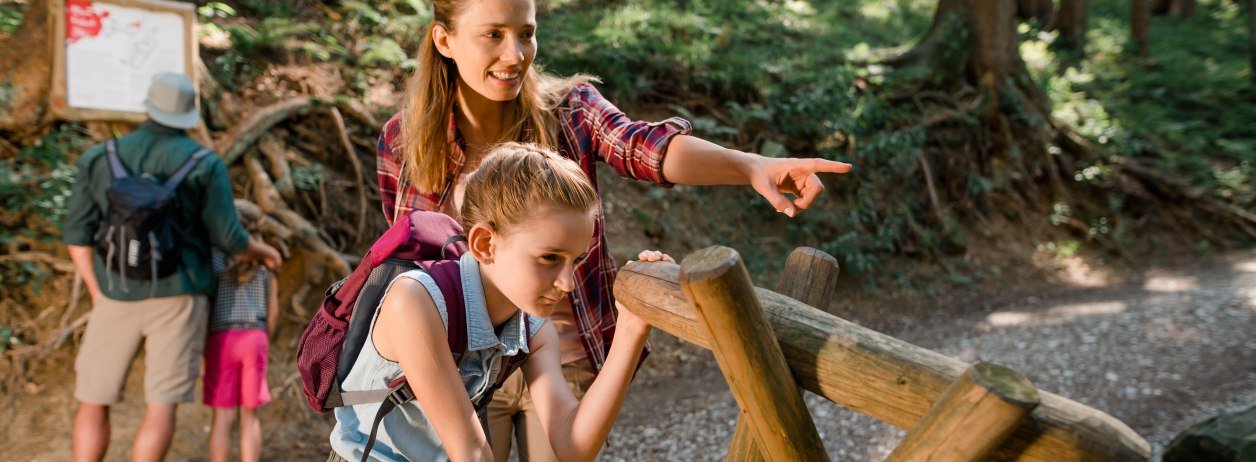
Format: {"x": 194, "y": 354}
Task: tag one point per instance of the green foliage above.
{"x": 10, "y": 18}
{"x": 1187, "y": 111}
{"x": 308, "y": 178}
{"x": 35, "y": 184}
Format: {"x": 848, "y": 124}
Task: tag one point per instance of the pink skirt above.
{"x": 235, "y": 368}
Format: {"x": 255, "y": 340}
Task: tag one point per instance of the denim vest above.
{"x": 405, "y": 433}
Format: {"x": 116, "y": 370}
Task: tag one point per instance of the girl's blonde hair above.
{"x": 432, "y": 90}
{"x": 516, "y": 179}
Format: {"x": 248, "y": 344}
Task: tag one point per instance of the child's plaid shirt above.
{"x": 590, "y": 129}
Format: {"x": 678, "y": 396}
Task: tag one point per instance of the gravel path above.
{"x": 1160, "y": 355}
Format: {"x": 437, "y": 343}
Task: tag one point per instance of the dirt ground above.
{"x": 1162, "y": 350}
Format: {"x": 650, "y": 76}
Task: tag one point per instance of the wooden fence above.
{"x": 768, "y": 345}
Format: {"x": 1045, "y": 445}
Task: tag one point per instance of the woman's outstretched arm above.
{"x": 695, "y": 161}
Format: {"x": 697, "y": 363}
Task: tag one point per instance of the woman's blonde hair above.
{"x": 516, "y": 179}
{"x": 432, "y": 90}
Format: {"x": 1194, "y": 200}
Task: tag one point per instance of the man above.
{"x": 166, "y": 310}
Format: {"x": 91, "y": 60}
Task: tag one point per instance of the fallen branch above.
{"x": 357, "y": 170}
{"x": 277, "y": 158}
{"x": 58, "y": 264}
{"x": 358, "y": 112}
{"x": 245, "y": 133}
{"x": 55, "y": 345}
{"x": 264, "y": 193}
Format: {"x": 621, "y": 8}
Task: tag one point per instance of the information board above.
{"x": 109, "y": 50}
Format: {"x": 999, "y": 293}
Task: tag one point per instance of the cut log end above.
{"x": 708, "y": 264}
{"x": 1009, "y": 385}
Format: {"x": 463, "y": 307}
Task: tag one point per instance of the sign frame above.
{"x": 59, "y": 101}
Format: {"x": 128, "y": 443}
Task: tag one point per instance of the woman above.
{"x": 475, "y": 86}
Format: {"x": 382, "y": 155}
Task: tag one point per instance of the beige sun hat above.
{"x": 172, "y": 101}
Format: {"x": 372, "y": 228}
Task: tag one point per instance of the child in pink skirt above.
{"x": 241, "y": 321}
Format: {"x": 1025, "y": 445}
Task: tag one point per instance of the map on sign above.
{"x": 113, "y": 51}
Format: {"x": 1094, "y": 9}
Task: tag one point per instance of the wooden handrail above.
{"x": 879, "y": 375}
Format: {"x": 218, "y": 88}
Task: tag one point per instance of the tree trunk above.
{"x": 26, "y": 75}
{"x": 1183, "y": 8}
{"x": 1070, "y": 21}
{"x": 991, "y": 44}
{"x": 1140, "y": 25}
{"x": 1251, "y": 34}
{"x": 1038, "y": 10}
{"x": 1180, "y": 8}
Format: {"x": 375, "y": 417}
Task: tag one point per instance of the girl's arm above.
{"x": 409, "y": 330}
{"x": 577, "y": 429}
{"x": 695, "y": 161}
{"x": 272, "y": 305}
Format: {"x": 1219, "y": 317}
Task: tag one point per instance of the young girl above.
{"x": 475, "y": 86}
{"x": 241, "y": 321}
{"x": 529, "y": 216}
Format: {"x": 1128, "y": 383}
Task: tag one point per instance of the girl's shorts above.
{"x": 235, "y": 368}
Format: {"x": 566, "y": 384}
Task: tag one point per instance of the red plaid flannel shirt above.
{"x": 590, "y": 129}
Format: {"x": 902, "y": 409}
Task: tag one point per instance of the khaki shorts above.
{"x": 512, "y": 413}
{"x": 172, "y": 330}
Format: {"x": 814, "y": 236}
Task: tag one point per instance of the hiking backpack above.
{"x": 335, "y": 336}
{"x": 139, "y": 222}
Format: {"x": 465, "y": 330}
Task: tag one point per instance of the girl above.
{"x": 243, "y": 318}
{"x": 475, "y": 86}
{"x": 529, "y": 216}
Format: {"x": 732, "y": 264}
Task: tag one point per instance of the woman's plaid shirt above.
{"x": 590, "y": 129}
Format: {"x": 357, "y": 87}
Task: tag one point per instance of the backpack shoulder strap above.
{"x": 448, "y": 277}
{"x": 185, "y": 169}
{"x": 115, "y": 164}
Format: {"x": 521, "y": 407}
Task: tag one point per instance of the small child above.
{"x": 241, "y": 322}
{"x": 529, "y": 216}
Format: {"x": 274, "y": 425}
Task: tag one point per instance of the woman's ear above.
{"x": 480, "y": 242}
{"x": 440, "y": 37}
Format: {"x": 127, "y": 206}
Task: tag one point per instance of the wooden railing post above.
{"x": 809, "y": 277}
{"x": 971, "y": 418}
{"x": 719, "y": 289}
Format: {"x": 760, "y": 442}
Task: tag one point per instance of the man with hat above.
{"x": 166, "y": 314}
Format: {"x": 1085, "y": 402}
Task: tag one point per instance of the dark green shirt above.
{"x": 205, "y": 209}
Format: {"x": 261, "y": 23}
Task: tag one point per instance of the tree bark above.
{"x": 1071, "y": 23}
{"x": 26, "y": 75}
{"x": 1038, "y": 10}
{"x": 1140, "y": 26}
{"x": 1180, "y": 8}
{"x": 1251, "y": 34}
{"x": 991, "y": 37}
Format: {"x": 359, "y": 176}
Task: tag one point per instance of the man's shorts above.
{"x": 172, "y": 330}
{"x": 235, "y": 369}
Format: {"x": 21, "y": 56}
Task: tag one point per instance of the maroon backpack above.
{"x": 336, "y": 334}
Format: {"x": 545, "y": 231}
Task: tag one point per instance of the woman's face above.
{"x": 493, "y": 44}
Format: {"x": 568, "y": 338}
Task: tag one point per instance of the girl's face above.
{"x": 493, "y": 44}
{"x": 533, "y": 263}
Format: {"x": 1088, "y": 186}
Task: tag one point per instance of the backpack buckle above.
{"x": 401, "y": 395}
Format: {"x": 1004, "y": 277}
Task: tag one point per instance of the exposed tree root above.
{"x": 357, "y": 168}
{"x": 246, "y": 132}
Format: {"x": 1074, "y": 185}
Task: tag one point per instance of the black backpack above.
{"x": 139, "y": 240}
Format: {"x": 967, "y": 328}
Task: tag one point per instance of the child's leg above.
{"x": 250, "y": 435}
{"x": 220, "y": 434}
